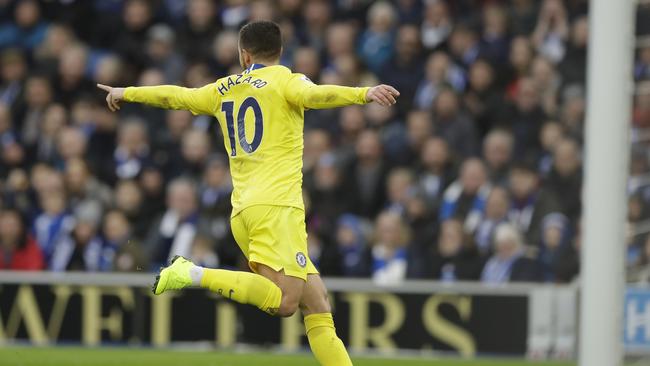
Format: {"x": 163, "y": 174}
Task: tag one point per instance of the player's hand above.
{"x": 383, "y": 94}
{"x": 114, "y": 97}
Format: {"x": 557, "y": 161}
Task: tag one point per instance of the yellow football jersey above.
{"x": 261, "y": 114}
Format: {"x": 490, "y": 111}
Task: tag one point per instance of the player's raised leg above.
{"x": 325, "y": 344}
{"x": 279, "y": 295}
{"x": 243, "y": 287}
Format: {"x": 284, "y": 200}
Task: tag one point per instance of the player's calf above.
{"x": 319, "y": 325}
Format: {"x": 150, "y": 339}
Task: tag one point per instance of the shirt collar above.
{"x": 255, "y": 67}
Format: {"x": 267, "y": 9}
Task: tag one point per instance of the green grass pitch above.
{"x": 67, "y": 356}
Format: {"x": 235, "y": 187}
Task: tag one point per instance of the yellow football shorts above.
{"x": 274, "y": 236}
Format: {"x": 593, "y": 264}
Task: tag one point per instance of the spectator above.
{"x": 453, "y": 125}
{"x": 151, "y": 184}
{"x": 195, "y": 149}
{"x": 436, "y": 171}
{"x": 405, "y": 69}
{"x": 465, "y": 198}
{"x": 316, "y": 16}
{"x": 389, "y": 251}
{"x": 38, "y": 95}
{"x": 375, "y": 44}
{"x": 552, "y": 30}
{"x": 11, "y": 152}
{"x": 406, "y": 145}
{"x": 436, "y": 25}
{"x": 82, "y": 186}
{"x": 18, "y": 250}
{"x": 17, "y": 193}
{"x": 565, "y": 179}
{"x": 496, "y": 213}
{"x": 439, "y": 72}
{"x": 13, "y": 69}
{"x": 109, "y": 71}
{"x": 306, "y": 61}
{"x": 53, "y": 229}
{"x": 28, "y": 29}
{"x": 366, "y": 176}
{"x": 420, "y": 218}
{"x": 352, "y": 123}
{"x": 495, "y": 41}
{"x": 199, "y": 30}
{"x": 329, "y": 199}
{"x": 224, "y": 52}
{"x": 202, "y": 253}
{"x": 464, "y": 45}
{"x": 642, "y": 65}
{"x": 174, "y": 232}
{"x": 120, "y": 250}
{"x": 523, "y": 16}
{"x": 572, "y": 111}
{"x": 71, "y": 144}
{"x": 214, "y": 199}
{"x": 72, "y": 82}
{"x": 555, "y": 247}
{"x": 456, "y": 257}
{"x": 58, "y": 38}
{"x": 349, "y": 254}
{"x": 84, "y": 252}
{"x": 639, "y": 272}
{"x": 132, "y": 151}
{"x": 497, "y": 152}
{"x": 481, "y": 98}
{"x": 161, "y": 54}
{"x": 530, "y": 203}
{"x": 399, "y": 188}
{"x": 572, "y": 66}
{"x": 519, "y": 61}
{"x": 340, "y": 38}
{"x": 317, "y": 143}
{"x": 509, "y": 264}
{"x": 547, "y": 82}
{"x": 129, "y": 199}
{"x": 130, "y": 39}
{"x": 524, "y": 118}
{"x": 551, "y": 133}
{"x": 44, "y": 147}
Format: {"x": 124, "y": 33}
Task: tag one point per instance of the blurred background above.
{"x": 475, "y": 175}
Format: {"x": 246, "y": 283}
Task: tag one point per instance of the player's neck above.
{"x": 264, "y": 62}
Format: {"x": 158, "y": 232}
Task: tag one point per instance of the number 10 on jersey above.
{"x": 228, "y": 108}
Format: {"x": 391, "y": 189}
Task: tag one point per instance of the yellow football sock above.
{"x": 244, "y": 287}
{"x": 325, "y": 344}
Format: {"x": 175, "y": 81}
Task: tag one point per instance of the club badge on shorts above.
{"x": 301, "y": 259}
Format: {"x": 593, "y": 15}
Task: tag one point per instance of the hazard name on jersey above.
{"x": 231, "y": 81}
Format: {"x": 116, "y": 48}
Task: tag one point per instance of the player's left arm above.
{"x": 301, "y": 91}
{"x": 202, "y": 100}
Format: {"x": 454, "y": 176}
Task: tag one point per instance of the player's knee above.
{"x": 316, "y": 304}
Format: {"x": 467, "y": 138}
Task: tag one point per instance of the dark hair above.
{"x": 262, "y": 39}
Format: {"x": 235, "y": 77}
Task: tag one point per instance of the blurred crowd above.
{"x": 475, "y": 174}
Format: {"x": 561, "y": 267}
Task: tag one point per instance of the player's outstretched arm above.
{"x": 196, "y": 100}
{"x": 301, "y": 91}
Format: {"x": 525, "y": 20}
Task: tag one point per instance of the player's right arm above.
{"x": 204, "y": 100}
{"x": 301, "y": 91}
